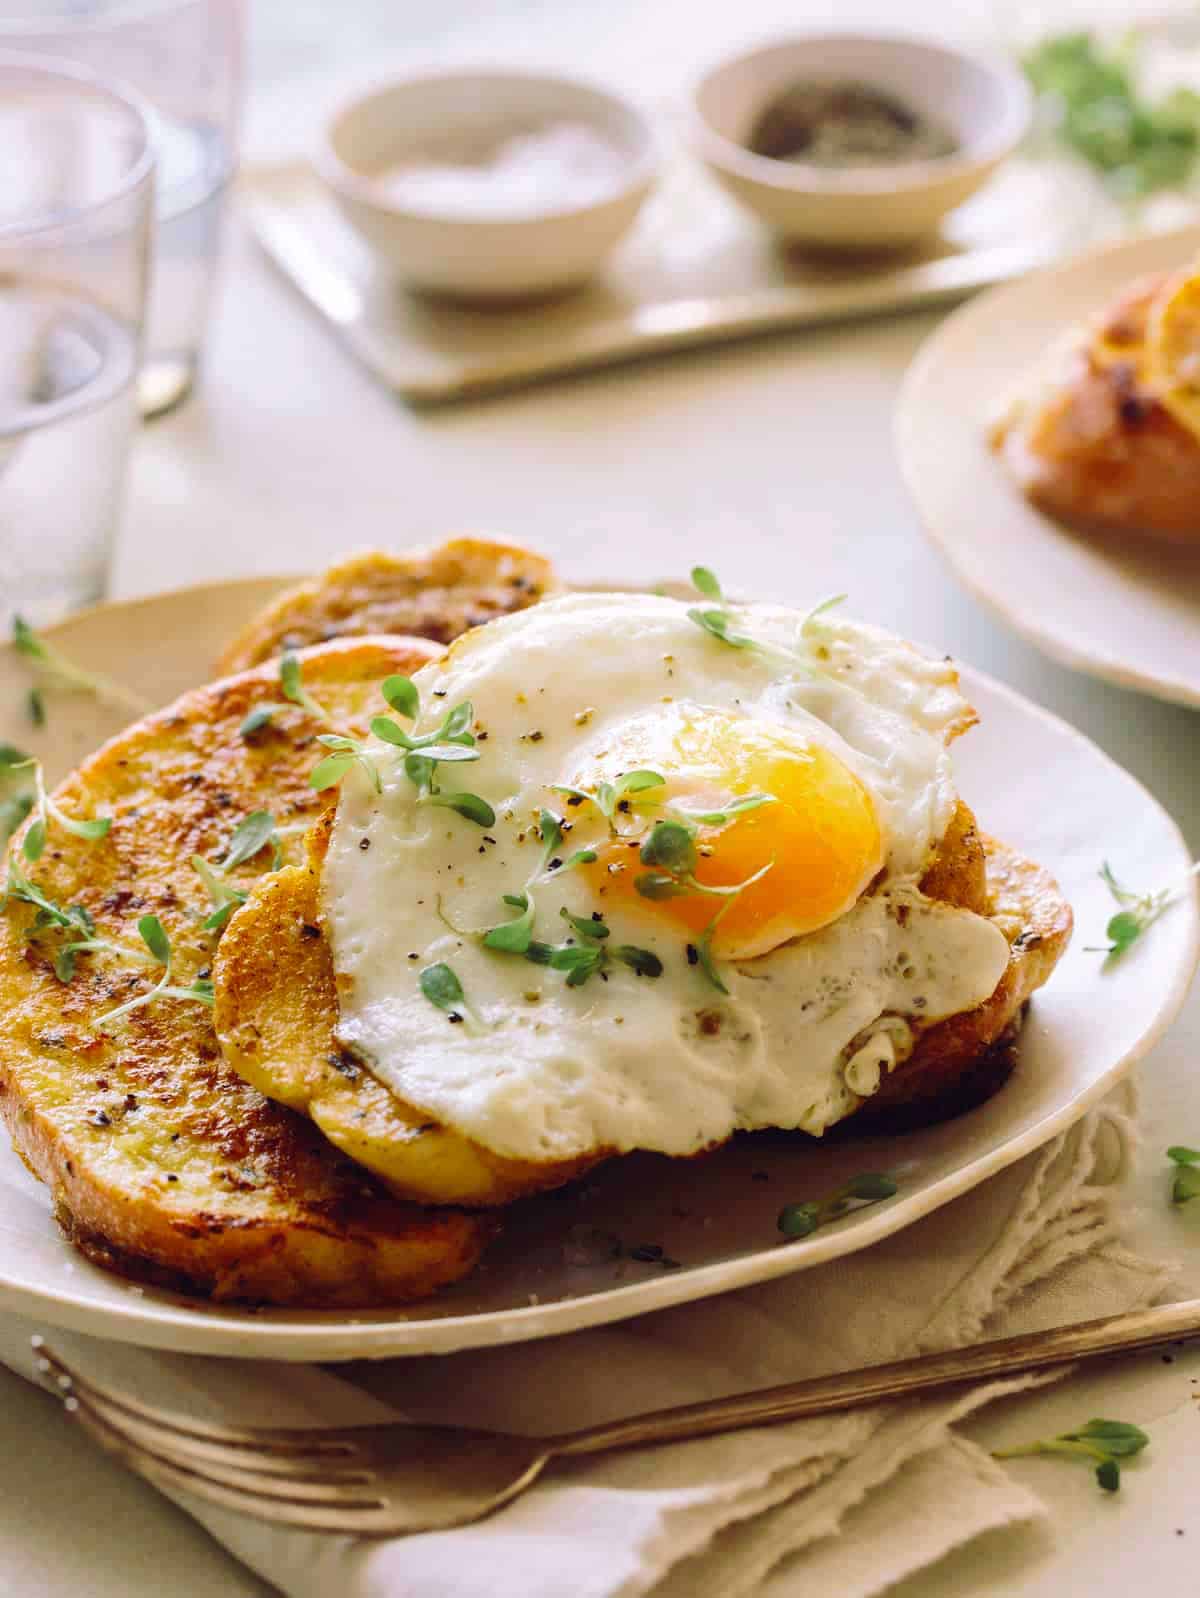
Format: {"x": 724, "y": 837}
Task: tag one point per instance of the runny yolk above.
{"x": 819, "y": 833}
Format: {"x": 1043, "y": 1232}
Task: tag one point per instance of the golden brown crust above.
{"x": 276, "y": 1010}
{"x": 434, "y": 593}
{"x": 161, "y": 1161}
{"x": 1099, "y": 450}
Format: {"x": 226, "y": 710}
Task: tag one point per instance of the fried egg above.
{"x": 735, "y": 835}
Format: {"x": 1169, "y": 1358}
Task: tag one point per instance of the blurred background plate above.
{"x": 1127, "y": 611}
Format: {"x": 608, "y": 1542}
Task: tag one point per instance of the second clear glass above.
{"x": 183, "y": 57}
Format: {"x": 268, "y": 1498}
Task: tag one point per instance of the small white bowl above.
{"x": 985, "y": 103}
{"x": 434, "y": 117}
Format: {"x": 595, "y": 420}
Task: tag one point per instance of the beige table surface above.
{"x": 771, "y": 462}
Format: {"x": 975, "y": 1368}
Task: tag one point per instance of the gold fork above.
{"x": 398, "y": 1478}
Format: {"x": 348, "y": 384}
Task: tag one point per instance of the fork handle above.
{"x": 1138, "y": 1329}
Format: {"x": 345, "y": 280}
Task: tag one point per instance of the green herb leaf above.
{"x": 581, "y": 857}
{"x": 592, "y": 929}
{"x": 457, "y": 724}
{"x": 291, "y": 681}
{"x": 37, "y": 707}
{"x": 34, "y": 842}
{"x": 449, "y": 753}
{"x": 718, "y": 818}
{"x": 820, "y": 609}
{"x": 1186, "y": 1185}
{"x": 468, "y": 805}
{"x": 513, "y": 937}
{"x": 705, "y": 582}
{"x": 384, "y": 727}
{"x": 151, "y": 931}
{"x": 260, "y": 717}
{"x": 442, "y": 988}
{"x": 1116, "y": 1437}
{"x": 419, "y": 769}
{"x": 717, "y": 623}
{"x": 330, "y": 771}
{"x": 401, "y": 693}
{"x": 1182, "y": 1155}
{"x": 671, "y": 846}
{"x": 250, "y": 835}
{"x": 799, "y": 1220}
{"x": 643, "y": 962}
{"x": 657, "y": 885}
{"x": 1105, "y": 1441}
{"x": 12, "y": 813}
{"x": 550, "y": 831}
{"x": 871, "y": 1188}
{"x": 638, "y": 782}
{"x": 1138, "y": 912}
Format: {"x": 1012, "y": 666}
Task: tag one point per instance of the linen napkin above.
{"x": 844, "y": 1504}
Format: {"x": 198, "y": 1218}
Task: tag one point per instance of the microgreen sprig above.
{"x": 1104, "y": 1441}
{"x": 55, "y": 666}
{"x": 451, "y": 742}
{"x": 552, "y": 831}
{"x": 1186, "y": 1183}
{"x": 800, "y": 1220}
{"x": 592, "y": 953}
{"x": 718, "y": 621}
{"x": 670, "y": 850}
{"x": 34, "y": 842}
{"x": 609, "y": 797}
{"x": 291, "y": 682}
{"x": 19, "y": 886}
{"x": 1138, "y": 912}
{"x": 253, "y": 833}
{"x": 16, "y": 789}
{"x": 153, "y": 935}
{"x": 440, "y": 985}
{"x": 260, "y": 717}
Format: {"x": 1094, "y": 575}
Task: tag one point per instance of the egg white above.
{"x": 668, "y": 1064}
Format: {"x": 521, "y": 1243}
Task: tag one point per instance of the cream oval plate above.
{"x": 1121, "y": 610}
{"x": 1032, "y": 780}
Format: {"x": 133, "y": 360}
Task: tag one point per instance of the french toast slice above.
{"x": 163, "y": 1163}
{"x": 436, "y": 592}
{"x": 279, "y": 1032}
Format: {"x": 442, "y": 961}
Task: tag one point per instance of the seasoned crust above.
{"x": 1097, "y": 449}
{"x": 435, "y": 593}
{"x": 162, "y": 1162}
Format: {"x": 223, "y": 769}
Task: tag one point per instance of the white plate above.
{"x": 1127, "y": 613}
{"x": 1033, "y": 781}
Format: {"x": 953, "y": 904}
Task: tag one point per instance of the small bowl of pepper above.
{"x": 855, "y": 141}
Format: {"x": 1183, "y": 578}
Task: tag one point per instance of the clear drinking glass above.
{"x": 76, "y": 209}
{"x": 184, "y": 58}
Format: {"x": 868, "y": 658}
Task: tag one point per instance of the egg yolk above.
{"x": 819, "y": 834}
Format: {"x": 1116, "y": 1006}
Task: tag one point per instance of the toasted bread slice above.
{"x": 435, "y": 593}
{"x": 956, "y": 1064}
{"x": 163, "y": 1163}
{"x": 1095, "y": 447}
{"x": 276, "y": 1009}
